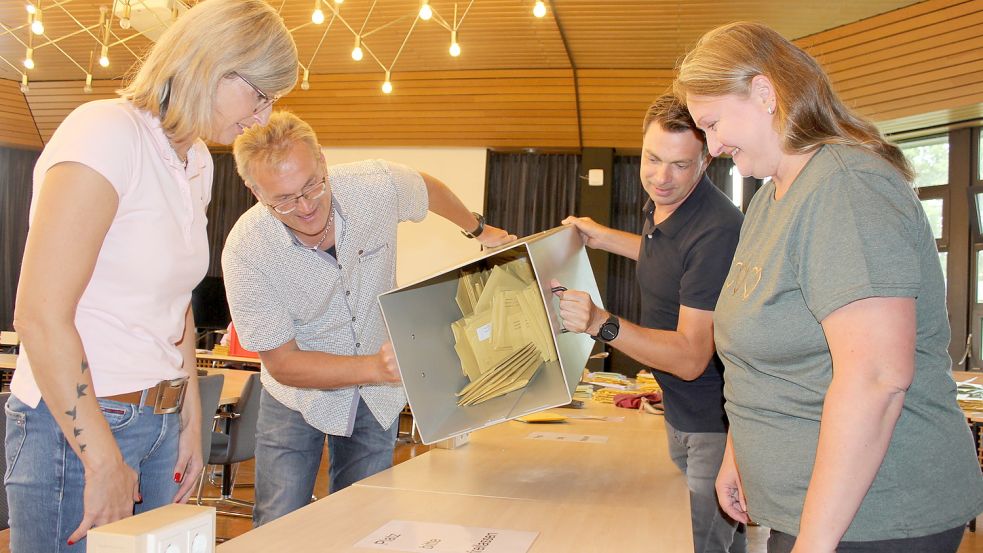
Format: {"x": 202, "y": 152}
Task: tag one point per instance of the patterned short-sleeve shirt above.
{"x": 279, "y": 290}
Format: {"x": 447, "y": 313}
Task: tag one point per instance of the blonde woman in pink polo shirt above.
{"x": 96, "y": 426}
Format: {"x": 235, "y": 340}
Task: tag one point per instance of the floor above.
{"x": 229, "y": 527}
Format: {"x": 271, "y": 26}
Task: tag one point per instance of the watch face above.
{"x": 609, "y": 331}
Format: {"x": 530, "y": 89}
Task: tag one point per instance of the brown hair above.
{"x": 809, "y": 113}
{"x": 177, "y": 81}
{"x": 671, "y": 114}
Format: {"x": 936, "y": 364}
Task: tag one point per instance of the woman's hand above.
{"x": 111, "y": 489}
{"x": 730, "y": 491}
{"x": 189, "y": 455}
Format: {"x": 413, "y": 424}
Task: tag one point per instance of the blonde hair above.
{"x": 215, "y": 38}
{"x": 808, "y": 114}
{"x": 271, "y": 143}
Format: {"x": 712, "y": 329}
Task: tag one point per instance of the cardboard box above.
{"x": 419, "y": 316}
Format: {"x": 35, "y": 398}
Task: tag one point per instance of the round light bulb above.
{"x": 28, "y": 63}
{"x": 539, "y": 10}
{"x": 339, "y": 1}
{"x": 31, "y": 9}
{"x": 37, "y": 27}
{"x": 24, "y": 88}
{"x": 455, "y": 49}
{"x": 426, "y": 12}
{"x": 387, "y": 87}
{"x": 124, "y": 23}
{"x": 357, "y": 53}
{"x": 305, "y": 85}
{"x": 104, "y": 61}
{"x": 317, "y": 17}
{"x": 87, "y": 89}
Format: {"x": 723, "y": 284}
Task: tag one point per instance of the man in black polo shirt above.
{"x": 689, "y": 236}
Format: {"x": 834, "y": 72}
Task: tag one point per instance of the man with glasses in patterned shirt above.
{"x": 303, "y": 269}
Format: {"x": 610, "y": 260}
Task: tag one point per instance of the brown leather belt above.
{"x": 167, "y": 396}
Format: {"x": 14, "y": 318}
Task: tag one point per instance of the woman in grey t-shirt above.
{"x": 845, "y": 433}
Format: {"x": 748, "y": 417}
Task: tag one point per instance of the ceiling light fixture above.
{"x": 88, "y": 84}
{"x": 124, "y": 18}
{"x": 306, "y": 84}
{"x": 29, "y": 59}
{"x": 539, "y": 10}
{"x": 357, "y": 50}
{"x": 426, "y": 12}
{"x": 318, "y": 16}
{"x": 24, "y": 88}
{"x": 37, "y": 26}
{"x": 455, "y": 49}
{"x": 30, "y": 8}
{"x": 387, "y": 87}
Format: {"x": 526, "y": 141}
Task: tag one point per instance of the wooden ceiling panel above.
{"x": 514, "y": 86}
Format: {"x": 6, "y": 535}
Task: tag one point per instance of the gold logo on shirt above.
{"x": 744, "y": 280}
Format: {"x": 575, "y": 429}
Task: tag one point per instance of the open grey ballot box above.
{"x": 419, "y": 317}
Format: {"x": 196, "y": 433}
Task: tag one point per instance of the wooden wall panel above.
{"x": 16, "y": 124}
{"x": 495, "y": 108}
{"x": 52, "y": 101}
{"x": 613, "y": 103}
{"x": 916, "y": 67}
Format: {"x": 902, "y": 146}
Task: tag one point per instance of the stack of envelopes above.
{"x": 504, "y": 336}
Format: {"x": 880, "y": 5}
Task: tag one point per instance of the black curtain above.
{"x": 16, "y": 169}
{"x": 530, "y": 193}
{"x": 230, "y": 199}
{"x": 627, "y": 200}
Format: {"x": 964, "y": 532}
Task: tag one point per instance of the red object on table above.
{"x": 235, "y": 348}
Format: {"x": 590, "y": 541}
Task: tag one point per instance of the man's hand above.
{"x": 388, "y": 370}
{"x": 493, "y": 237}
{"x": 577, "y": 311}
{"x": 592, "y": 232}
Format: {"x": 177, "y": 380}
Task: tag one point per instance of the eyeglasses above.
{"x": 309, "y": 193}
{"x": 265, "y": 100}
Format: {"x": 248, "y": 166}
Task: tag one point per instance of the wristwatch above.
{"x": 481, "y": 226}
{"x": 609, "y": 330}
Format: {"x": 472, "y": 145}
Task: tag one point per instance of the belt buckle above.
{"x": 170, "y": 396}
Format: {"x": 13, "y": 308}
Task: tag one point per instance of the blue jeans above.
{"x": 45, "y": 480}
{"x": 288, "y": 453}
{"x": 698, "y": 455}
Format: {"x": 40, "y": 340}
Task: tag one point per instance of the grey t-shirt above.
{"x": 848, "y": 228}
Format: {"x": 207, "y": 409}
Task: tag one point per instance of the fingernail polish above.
{"x": 177, "y": 477}
{"x": 70, "y": 542}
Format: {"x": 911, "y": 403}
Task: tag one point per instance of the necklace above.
{"x": 324, "y": 234}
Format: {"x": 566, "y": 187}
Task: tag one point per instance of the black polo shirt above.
{"x": 684, "y": 261}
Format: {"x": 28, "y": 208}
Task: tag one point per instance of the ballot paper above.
{"x": 408, "y": 535}
{"x": 503, "y": 337}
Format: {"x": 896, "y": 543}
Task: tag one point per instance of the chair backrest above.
{"x": 242, "y": 433}
{"x": 4, "y": 519}
{"x": 210, "y": 390}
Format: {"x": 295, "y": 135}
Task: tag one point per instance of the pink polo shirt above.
{"x": 131, "y": 314}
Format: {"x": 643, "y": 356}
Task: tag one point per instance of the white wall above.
{"x": 433, "y": 244}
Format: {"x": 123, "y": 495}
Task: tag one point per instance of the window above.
{"x": 737, "y": 187}
{"x": 929, "y": 157}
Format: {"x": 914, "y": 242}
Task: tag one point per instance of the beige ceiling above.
{"x": 495, "y": 34}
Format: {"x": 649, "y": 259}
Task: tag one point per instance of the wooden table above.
{"x": 235, "y": 379}
{"x": 216, "y": 358}
{"x": 623, "y": 495}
